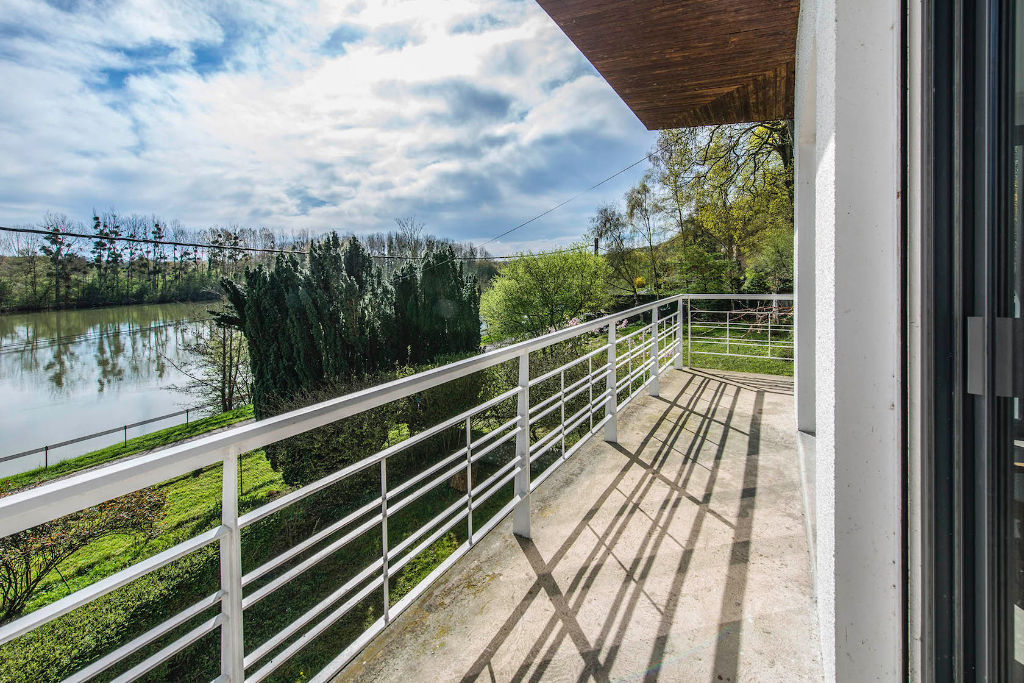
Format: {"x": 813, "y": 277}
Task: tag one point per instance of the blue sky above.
{"x": 473, "y": 116}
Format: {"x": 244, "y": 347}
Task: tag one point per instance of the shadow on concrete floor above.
{"x": 621, "y": 608}
{"x": 666, "y": 484}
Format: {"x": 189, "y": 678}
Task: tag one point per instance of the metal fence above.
{"x": 572, "y": 402}
{"x": 200, "y": 411}
{"x": 762, "y": 332}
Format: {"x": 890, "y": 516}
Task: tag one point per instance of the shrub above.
{"x": 28, "y": 557}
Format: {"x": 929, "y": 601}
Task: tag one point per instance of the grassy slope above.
{"x": 139, "y": 444}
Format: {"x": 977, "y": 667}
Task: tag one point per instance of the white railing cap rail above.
{"x": 26, "y": 509}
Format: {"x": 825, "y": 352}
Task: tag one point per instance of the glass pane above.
{"x": 1012, "y": 308}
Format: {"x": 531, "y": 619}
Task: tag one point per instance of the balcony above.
{"x": 678, "y": 553}
{"x": 674, "y": 547}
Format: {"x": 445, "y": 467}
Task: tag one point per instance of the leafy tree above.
{"x": 771, "y": 268}
{"x": 448, "y": 318}
{"x": 614, "y": 232}
{"x": 339, "y": 319}
{"x": 60, "y": 250}
{"x": 535, "y": 293}
{"x": 698, "y": 271}
{"x": 728, "y": 190}
{"x": 28, "y": 557}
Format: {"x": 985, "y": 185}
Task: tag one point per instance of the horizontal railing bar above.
{"x": 426, "y": 488}
{"x": 576, "y": 361}
{"x": 84, "y": 596}
{"x": 291, "y": 629}
{"x": 738, "y": 297}
{"x": 369, "y": 461}
{"x": 312, "y": 633}
{"x": 495, "y": 519}
{"x": 577, "y": 392}
{"x": 493, "y": 477}
{"x": 547, "y": 411}
{"x": 480, "y": 499}
{"x": 627, "y": 337}
{"x": 639, "y": 370}
{"x": 329, "y": 672}
{"x": 429, "y": 579}
{"x": 302, "y": 546}
{"x": 477, "y": 455}
{"x": 741, "y": 355}
{"x": 153, "y": 661}
{"x": 395, "y": 567}
{"x": 548, "y": 471}
{"x": 96, "y": 435}
{"x": 404, "y": 544}
{"x": 541, "y": 404}
{"x": 111, "y": 658}
{"x": 310, "y": 562}
{"x": 491, "y": 434}
{"x": 284, "y": 501}
{"x": 553, "y": 434}
{"x": 436, "y": 467}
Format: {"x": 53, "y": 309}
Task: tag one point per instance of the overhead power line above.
{"x": 235, "y": 247}
{"x": 274, "y": 250}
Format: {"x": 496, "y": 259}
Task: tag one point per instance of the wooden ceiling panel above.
{"x": 689, "y": 62}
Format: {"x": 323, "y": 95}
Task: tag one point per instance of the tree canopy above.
{"x": 535, "y": 293}
{"x": 713, "y": 213}
{"x": 340, "y": 319}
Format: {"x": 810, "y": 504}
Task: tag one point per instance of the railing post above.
{"x": 611, "y": 407}
{"x": 769, "y": 335}
{"x": 728, "y": 330}
{"x": 521, "y": 514}
{"x": 689, "y": 332}
{"x": 232, "y": 648}
{"x": 654, "y": 388}
{"x": 679, "y": 334}
{"x": 561, "y": 400}
{"x": 386, "y": 583}
{"x": 590, "y": 390}
{"x": 469, "y": 478}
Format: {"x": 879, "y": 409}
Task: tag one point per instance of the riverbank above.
{"x": 64, "y": 374}
{"x": 132, "y": 447}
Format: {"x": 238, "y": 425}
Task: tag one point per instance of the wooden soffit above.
{"x": 681, "y": 63}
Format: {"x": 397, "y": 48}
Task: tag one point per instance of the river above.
{"x": 64, "y": 374}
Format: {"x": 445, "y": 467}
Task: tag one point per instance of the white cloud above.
{"x": 472, "y": 115}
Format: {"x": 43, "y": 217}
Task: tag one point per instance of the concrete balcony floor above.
{"x": 677, "y": 554}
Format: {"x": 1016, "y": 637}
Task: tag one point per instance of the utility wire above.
{"x": 272, "y": 250}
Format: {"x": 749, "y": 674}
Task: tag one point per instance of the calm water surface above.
{"x": 64, "y": 374}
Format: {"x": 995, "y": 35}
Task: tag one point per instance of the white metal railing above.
{"x": 619, "y": 366}
{"x": 763, "y": 333}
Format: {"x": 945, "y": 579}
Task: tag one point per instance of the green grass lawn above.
{"x": 139, "y": 444}
{"x": 704, "y": 352}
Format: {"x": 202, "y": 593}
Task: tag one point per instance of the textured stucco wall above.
{"x": 854, "y": 49}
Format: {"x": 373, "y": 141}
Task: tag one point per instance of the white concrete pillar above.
{"x": 857, "y": 327}
{"x": 803, "y": 218}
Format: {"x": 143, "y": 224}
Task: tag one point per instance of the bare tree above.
{"x": 410, "y": 232}
{"x": 218, "y": 372}
{"x": 615, "y": 234}
{"x": 642, "y": 213}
